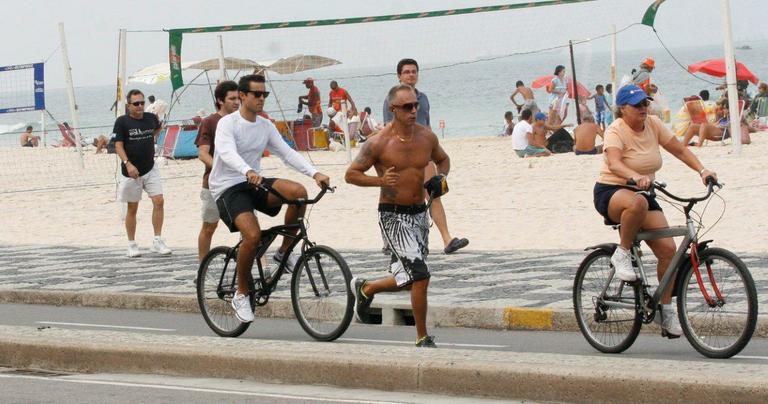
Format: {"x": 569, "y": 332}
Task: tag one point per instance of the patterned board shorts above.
{"x": 407, "y": 234}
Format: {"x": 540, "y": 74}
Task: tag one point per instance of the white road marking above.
{"x": 765, "y": 358}
{"x": 412, "y": 343}
{"x": 195, "y": 389}
{"x": 124, "y": 327}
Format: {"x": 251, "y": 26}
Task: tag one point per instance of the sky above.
{"x": 31, "y": 32}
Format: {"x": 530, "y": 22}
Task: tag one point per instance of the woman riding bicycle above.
{"x": 631, "y": 152}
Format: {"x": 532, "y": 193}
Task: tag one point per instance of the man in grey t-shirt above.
{"x": 408, "y": 73}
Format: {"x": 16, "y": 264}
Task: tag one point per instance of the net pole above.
{"x": 575, "y": 87}
{"x": 42, "y": 128}
{"x": 71, "y": 94}
{"x": 734, "y": 111}
{"x": 613, "y": 59}
{"x": 222, "y": 65}
{"x": 345, "y": 128}
{"x": 122, "y": 75}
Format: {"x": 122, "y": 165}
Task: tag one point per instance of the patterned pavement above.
{"x": 521, "y": 278}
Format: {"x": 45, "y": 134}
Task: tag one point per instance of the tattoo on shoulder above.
{"x": 365, "y": 157}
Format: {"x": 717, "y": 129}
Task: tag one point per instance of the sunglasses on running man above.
{"x": 257, "y": 94}
{"x": 408, "y": 106}
{"x": 137, "y": 103}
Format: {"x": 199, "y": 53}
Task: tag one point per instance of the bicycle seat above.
{"x": 608, "y": 222}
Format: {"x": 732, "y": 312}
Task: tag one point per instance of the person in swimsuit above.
{"x": 584, "y": 137}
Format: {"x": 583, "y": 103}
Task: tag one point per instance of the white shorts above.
{"x": 129, "y": 189}
{"x": 208, "y": 211}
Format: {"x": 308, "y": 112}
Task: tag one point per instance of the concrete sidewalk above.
{"x": 520, "y": 289}
{"x": 535, "y": 376}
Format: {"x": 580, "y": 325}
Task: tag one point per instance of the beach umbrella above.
{"x": 716, "y": 67}
{"x": 544, "y": 81}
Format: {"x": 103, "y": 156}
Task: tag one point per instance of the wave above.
{"x": 12, "y": 128}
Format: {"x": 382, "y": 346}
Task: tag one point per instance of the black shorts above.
{"x": 244, "y": 197}
{"x": 604, "y": 192}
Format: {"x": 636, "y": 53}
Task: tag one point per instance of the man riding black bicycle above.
{"x": 241, "y": 139}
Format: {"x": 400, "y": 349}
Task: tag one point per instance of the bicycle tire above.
{"x": 717, "y": 332}
{"x": 609, "y": 330}
{"x": 320, "y": 293}
{"x": 216, "y": 306}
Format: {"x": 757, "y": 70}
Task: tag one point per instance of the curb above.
{"x": 492, "y": 318}
{"x": 509, "y": 375}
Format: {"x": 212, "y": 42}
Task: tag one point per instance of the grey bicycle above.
{"x": 716, "y": 296}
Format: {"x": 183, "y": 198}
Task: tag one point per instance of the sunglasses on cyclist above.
{"x": 641, "y": 104}
{"x": 137, "y": 103}
{"x": 408, "y": 106}
{"x": 257, "y": 94}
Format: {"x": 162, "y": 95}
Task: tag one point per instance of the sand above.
{"x": 497, "y": 200}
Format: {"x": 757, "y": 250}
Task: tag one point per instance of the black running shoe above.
{"x": 362, "y": 302}
{"x": 427, "y": 341}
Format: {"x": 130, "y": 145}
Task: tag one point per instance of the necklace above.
{"x": 410, "y": 139}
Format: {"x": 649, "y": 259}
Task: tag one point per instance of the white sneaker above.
{"x": 670, "y": 324}
{"x": 242, "y": 307}
{"x": 290, "y": 262}
{"x": 133, "y": 250}
{"x": 622, "y": 263}
{"x": 158, "y": 246}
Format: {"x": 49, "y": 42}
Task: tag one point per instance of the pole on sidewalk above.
{"x": 730, "y": 79}
{"x": 575, "y": 87}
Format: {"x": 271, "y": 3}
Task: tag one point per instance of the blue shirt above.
{"x": 600, "y": 102}
{"x": 422, "y": 114}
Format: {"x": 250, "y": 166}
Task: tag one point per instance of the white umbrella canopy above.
{"x": 292, "y": 64}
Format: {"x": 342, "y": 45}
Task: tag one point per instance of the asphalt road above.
{"x": 646, "y": 346}
{"x": 19, "y": 386}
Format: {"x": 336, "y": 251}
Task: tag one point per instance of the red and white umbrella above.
{"x": 716, "y": 67}
{"x": 544, "y": 81}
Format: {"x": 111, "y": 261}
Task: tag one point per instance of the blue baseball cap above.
{"x": 631, "y": 95}
{"x": 540, "y": 116}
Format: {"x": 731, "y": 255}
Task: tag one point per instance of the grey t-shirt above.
{"x": 422, "y": 114}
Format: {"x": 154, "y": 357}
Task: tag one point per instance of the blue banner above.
{"x": 38, "y": 87}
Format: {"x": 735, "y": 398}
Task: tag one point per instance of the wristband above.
{"x": 702, "y": 170}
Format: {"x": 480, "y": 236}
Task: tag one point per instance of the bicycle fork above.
{"x": 695, "y": 265}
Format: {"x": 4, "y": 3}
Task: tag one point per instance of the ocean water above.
{"x": 470, "y": 98}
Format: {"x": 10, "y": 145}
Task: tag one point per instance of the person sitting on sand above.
{"x": 509, "y": 124}
{"x": 542, "y": 129}
{"x": 28, "y": 139}
{"x": 100, "y": 142}
{"x": 585, "y": 135}
{"x": 716, "y": 131}
{"x": 522, "y": 138}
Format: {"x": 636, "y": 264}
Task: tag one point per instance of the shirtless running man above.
{"x": 399, "y": 154}
{"x": 529, "y": 102}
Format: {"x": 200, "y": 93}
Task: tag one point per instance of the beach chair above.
{"x": 167, "y": 140}
{"x": 67, "y": 136}
{"x": 696, "y": 111}
{"x": 727, "y": 132}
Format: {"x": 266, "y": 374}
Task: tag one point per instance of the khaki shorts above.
{"x": 129, "y": 189}
{"x": 208, "y": 211}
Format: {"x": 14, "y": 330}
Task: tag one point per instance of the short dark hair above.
{"x": 29, "y": 127}
{"x": 558, "y": 69}
{"x": 598, "y": 87}
{"x": 244, "y": 85}
{"x": 508, "y": 114}
{"x": 367, "y": 110}
{"x": 220, "y": 93}
{"x": 404, "y": 62}
{"x": 151, "y": 98}
{"x": 526, "y": 114}
{"x": 132, "y": 93}
{"x": 334, "y": 82}
{"x": 704, "y": 94}
{"x": 519, "y": 83}
{"x": 608, "y": 87}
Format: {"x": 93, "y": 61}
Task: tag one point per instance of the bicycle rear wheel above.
{"x": 215, "y": 288}
{"x": 723, "y": 329}
{"x": 320, "y": 292}
{"x": 608, "y": 328}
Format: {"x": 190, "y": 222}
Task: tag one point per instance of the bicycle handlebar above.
{"x": 661, "y": 186}
{"x": 300, "y": 201}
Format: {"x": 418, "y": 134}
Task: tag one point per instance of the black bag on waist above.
{"x": 560, "y": 142}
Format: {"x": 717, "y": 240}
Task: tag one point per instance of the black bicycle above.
{"x": 716, "y": 296}
{"x": 321, "y": 296}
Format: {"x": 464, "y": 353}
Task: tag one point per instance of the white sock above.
{"x": 132, "y": 242}
{"x": 157, "y": 237}
{"x": 667, "y": 307}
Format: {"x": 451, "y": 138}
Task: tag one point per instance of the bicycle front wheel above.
{"x": 721, "y": 329}
{"x": 321, "y": 295}
{"x": 609, "y": 321}
{"x": 216, "y": 286}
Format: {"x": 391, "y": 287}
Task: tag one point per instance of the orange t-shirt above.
{"x": 639, "y": 150}
{"x": 337, "y": 96}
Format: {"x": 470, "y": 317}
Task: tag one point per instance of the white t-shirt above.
{"x": 239, "y": 146}
{"x": 520, "y": 135}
